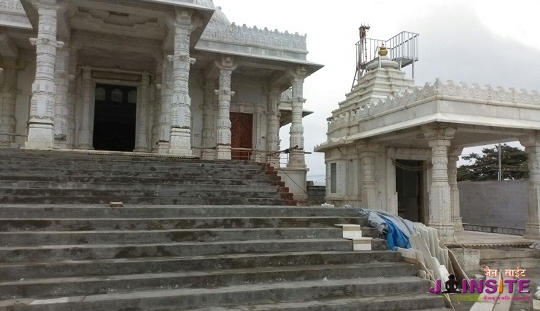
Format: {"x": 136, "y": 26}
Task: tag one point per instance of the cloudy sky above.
{"x": 473, "y": 41}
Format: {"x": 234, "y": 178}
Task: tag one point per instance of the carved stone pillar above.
{"x": 180, "y": 140}
{"x": 41, "y": 123}
{"x": 297, "y": 156}
{"x": 86, "y": 110}
{"x": 156, "y": 113}
{"x": 143, "y": 100}
{"x": 453, "y": 158}
{"x": 440, "y": 201}
{"x": 62, "y": 80}
{"x": 208, "y": 138}
{"x": 8, "y": 97}
{"x": 272, "y": 136}
{"x": 72, "y": 98}
{"x": 367, "y": 160}
{"x": 165, "y": 109}
{"x": 223, "y": 138}
{"x": 532, "y": 147}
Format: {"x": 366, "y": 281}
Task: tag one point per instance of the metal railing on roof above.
{"x": 402, "y": 48}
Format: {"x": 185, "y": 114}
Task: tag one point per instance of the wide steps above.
{"x": 157, "y": 200}
{"x": 14, "y": 271}
{"x": 199, "y": 257}
{"x": 10, "y": 239}
{"x": 389, "y": 303}
{"x": 73, "y": 286}
{"x": 69, "y": 211}
{"x": 85, "y": 224}
{"x": 185, "y": 299}
{"x": 57, "y": 177}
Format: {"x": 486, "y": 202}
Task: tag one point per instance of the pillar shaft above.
{"x": 41, "y": 123}
{"x": 453, "y": 158}
{"x": 368, "y": 154}
{"x": 297, "y": 155}
{"x": 180, "y": 140}
{"x": 532, "y": 147}
{"x": 223, "y": 138}
{"x": 272, "y": 135}
{"x": 165, "y": 108}
{"x": 62, "y": 80}
{"x": 8, "y": 98}
{"x": 208, "y": 137}
{"x": 86, "y": 111}
{"x": 440, "y": 201}
{"x": 143, "y": 100}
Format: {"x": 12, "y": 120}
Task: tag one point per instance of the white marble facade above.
{"x": 190, "y": 69}
{"x": 394, "y": 146}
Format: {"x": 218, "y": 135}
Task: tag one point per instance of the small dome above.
{"x": 219, "y": 17}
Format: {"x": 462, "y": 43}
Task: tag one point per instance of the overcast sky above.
{"x": 473, "y": 41}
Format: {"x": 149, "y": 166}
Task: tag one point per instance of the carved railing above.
{"x": 254, "y": 37}
{"x": 11, "y": 6}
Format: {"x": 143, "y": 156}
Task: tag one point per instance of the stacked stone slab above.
{"x": 81, "y": 178}
{"x": 93, "y": 257}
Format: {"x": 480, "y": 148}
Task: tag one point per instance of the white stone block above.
{"x": 363, "y": 244}
{"x": 536, "y": 305}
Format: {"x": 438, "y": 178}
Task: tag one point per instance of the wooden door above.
{"x": 241, "y": 135}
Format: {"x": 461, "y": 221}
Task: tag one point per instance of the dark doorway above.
{"x": 241, "y": 135}
{"x": 114, "y": 117}
{"x": 410, "y": 189}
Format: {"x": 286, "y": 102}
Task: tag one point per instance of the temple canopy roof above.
{"x": 482, "y": 115}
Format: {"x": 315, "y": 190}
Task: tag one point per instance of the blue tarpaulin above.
{"x": 394, "y": 237}
{"x": 395, "y": 229}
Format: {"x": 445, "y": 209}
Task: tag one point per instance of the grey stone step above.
{"x": 68, "y": 211}
{"x": 182, "y": 299}
{"x": 12, "y": 239}
{"x": 14, "y": 271}
{"x": 42, "y": 288}
{"x": 110, "y": 251}
{"x": 154, "y": 200}
{"x": 87, "y": 224}
{"x": 85, "y": 182}
{"x": 182, "y": 191}
{"x": 388, "y": 303}
{"x": 194, "y": 173}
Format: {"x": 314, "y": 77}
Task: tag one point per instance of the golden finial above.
{"x": 382, "y": 50}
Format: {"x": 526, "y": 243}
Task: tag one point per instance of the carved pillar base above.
{"x": 141, "y": 143}
{"x": 85, "y": 140}
{"x": 162, "y": 147}
{"x": 40, "y": 135}
{"x": 180, "y": 142}
{"x": 295, "y": 180}
{"x": 439, "y": 218}
{"x": 208, "y": 154}
{"x": 297, "y": 159}
{"x": 223, "y": 152}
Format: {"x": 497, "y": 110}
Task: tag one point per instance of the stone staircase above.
{"x": 52, "y": 177}
{"x": 141, "y": 257}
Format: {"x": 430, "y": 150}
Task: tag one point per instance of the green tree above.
{"x": 485, "y": 166}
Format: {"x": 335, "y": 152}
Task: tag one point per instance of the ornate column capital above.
{"x": 226, "y": 62}
{"x": 438, "y": 132}
{"x": 47, "y": 4}
{"x": 532, "y": 139}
